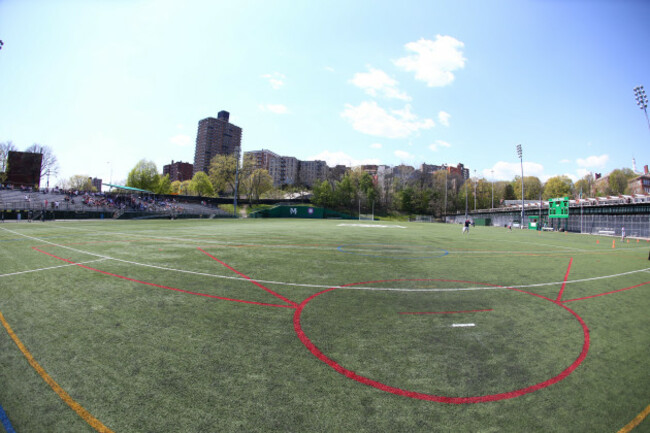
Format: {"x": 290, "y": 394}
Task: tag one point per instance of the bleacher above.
{"x": 106, "y": 205}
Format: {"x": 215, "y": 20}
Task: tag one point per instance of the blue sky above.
{"x": 106, "y": 83}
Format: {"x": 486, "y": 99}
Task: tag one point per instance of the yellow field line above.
{"x": 83, "y": 413}
{"x": 636, "y": 421}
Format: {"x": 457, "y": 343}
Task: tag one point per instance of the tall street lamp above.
{"x": 642, "y": 101}
{"x": 475, "y": 185}
{"x": 521, "y": 160}
{"x": 492, "y": 171}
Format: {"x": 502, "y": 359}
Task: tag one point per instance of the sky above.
{"x": 106, "y": 83}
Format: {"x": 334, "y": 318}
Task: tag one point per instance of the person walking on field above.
{"x": 466, "y": 227}
{"x": 622, "y": 233}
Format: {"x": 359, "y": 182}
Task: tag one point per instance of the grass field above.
{"x": 320, "y": 326}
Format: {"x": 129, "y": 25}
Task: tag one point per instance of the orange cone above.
{"x": 597, "y": 241}
{"x": 613, "y": 243}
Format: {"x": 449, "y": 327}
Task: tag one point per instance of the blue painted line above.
{"x": 341, "y": 249}
{"x": 5, "y": 421}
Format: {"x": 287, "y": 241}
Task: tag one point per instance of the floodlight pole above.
{"x": 642, "y": 101}
{"x": 445, "y": 213}
{"x": 521, "y": 160}
{"x": 466, "y": 204}
{"x": 475, "y": 185}
{"x": 492, "y": 171}
{"x": 236, "y": 183}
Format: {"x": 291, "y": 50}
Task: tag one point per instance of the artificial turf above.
{"x": 310, "y": 326}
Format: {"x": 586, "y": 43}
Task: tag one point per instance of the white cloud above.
{"x": 376, "y": 146}
{"x": 276, "y": 79}
{"x": 593, "y": 161}
{"x": 565, "y": 161}
{"x": 378, "y": 83}
{"x": 438, "y": 144}
{"x": 404, "y": 156}
{"x": 341, "y": 158}
{"x": 330, "y": 69}
{"x": 434, "y": 62}
{"x": 508, "y": 170}
{"x": 443, "y": 118}
{"x": 274, "y": 108}
{"x": 371, "y": 119}
{"x": 181, "y": 140}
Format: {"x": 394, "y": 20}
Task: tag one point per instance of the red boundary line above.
{"x": 161, "y": 286}
{"x": 566, "y": 276}
{"x": 444, "y": 312}
{"x": 607, "y": 293}
{"x": 277, "y": 295}
{"x": 431, "y": 397}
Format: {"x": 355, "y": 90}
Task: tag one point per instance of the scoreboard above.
{"x": 558, "y": 207}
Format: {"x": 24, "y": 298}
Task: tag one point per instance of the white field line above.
{"x": 47, "y": 269}
{"x": 324, "y": 286}
{"x": 206, "y": 241}
{"x": 462, "y": 325}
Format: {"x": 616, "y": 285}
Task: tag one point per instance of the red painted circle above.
{"x": 431, "y": 397}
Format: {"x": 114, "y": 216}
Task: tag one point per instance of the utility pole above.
{"x": 521, "y": 160}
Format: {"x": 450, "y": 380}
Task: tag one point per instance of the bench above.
{"x": 547, "y": 229}
{"x": 606, "y": 232}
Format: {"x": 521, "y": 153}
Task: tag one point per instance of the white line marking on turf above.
{"x": 327, "y": 286}
{"x": 47, "y": 269}
{"x": 370, "y": 225}
{"x": 462, "y": 325}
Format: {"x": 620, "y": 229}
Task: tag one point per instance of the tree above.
{"x": 532, "y": 187}
{"x": 175, "y": 187}
{"x": 509, "y": 192}
{"x": 257, "y": 183}
{"x": 5, "y": 148}
{"x": 81, "y": 182}
{"x": 164, "y": 185}
{"x": 144, "y": 176}
{"x": 323, "y": 194}
{"x": 49, "y": 163}
{"x": 201, "y": 185}
{"x": 618, "y": 181}
{"x": 185, "y": 187}
{"x": 558, "y": 186}
{"x": 585, "y": 185}
{"x": 406, "y": 200}
{"x": 222, "y": 173}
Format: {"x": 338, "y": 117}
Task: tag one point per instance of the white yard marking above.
{"x": 322, "y": 286}
{"x": 371, "y": 225}
{"x": 462, "y": 325}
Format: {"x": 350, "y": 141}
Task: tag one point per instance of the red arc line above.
{"x": 277, "y": 295}
{"x": 566, "y": 276}
{"x": 161, "y": 286}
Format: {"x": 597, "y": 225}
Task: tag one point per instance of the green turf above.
{"x": 146, "y": 358}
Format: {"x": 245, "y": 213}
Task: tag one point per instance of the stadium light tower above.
{"x": 492, "y": 171}
{"x": 642, "y": 101}
{"x": 521, "y": 160}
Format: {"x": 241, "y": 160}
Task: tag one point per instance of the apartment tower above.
{"x": 215, "y": 137}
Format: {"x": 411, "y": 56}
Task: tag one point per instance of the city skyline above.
{"x": 346, "y": 83}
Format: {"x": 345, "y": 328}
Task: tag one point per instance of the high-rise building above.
{"x": 262, "y": 158}
{"x": 312, "y": 171}
{"x": 284, "y": 170}
{"x": 215, "y": 137}
{"x": 179, "y": 170}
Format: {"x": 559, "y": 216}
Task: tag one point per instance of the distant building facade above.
{"x": 179, "y": 171}
{"x": 262, "y": 159}
{"x": 641, "y": 184}
{"x": 312, "y": 171}
{"x": 215, "y": 137}
{"x": 96, "y": 183}
{"x": 284, "y": 170}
